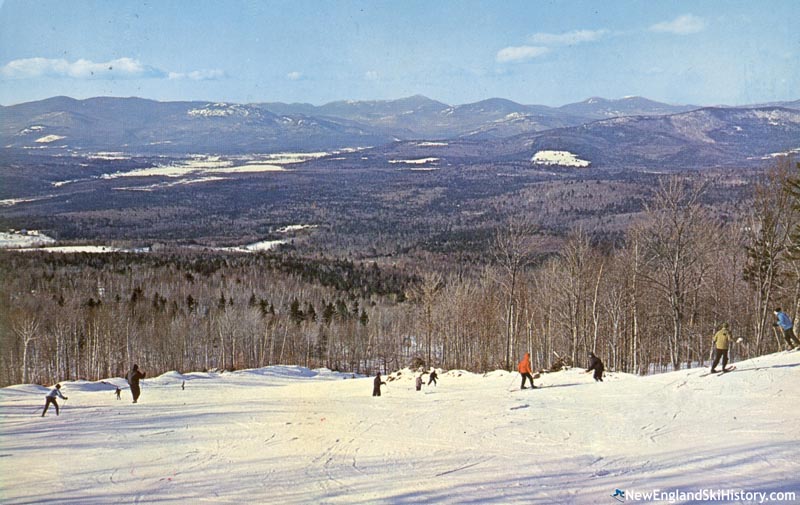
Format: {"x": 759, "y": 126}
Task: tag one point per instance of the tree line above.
{"x": 650, "y": 302}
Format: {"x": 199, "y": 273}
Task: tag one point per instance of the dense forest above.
{"x": 649, "y": 299}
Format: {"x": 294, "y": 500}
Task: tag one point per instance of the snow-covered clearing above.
{"x": 289, "y": 435}
{"x": 163, "y": 185}
{"x": 71, "y": 249}
{"x": 419, "y": 161}
{"x": 562, "y": 158}
{"x": 201, "y": 164}
{"x": 19, "y": 239}
{"x": 295, "y": 227}
{"x": 264, "y": 245}
{"x": 49, "y": 138}
{"x": 10, "y": 202}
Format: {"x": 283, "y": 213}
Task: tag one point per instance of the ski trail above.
{"x": 464, "y": 467}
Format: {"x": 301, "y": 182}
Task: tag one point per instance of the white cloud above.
{"x": 567, "y": 38}
{"x": 294, "y": 76}
{"x": 682, "y": 25}
{"x": 120, "y": 68}
{"x": 371, "y": 75}
{"x": 198, "y": 75}
{"x": 517, "y": 54}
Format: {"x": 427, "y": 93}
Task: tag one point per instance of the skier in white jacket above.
{"x": 51, "y": 398}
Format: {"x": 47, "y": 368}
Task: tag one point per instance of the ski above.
{"x": 720, "y": 372}
{"x": 527, "y": 388}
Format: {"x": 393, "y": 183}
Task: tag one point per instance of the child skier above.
{"x": 51, "y": 398}
{"x": 419, "y": 383}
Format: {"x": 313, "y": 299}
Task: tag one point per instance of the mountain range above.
{"x": 632, "y": 131}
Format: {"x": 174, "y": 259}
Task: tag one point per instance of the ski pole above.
{"x": 513, "y": 378}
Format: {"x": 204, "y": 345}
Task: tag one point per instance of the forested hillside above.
{"x": 650, "y": 300}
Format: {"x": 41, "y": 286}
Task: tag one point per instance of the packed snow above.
{"x": 562, "y": 158}
{"x": 290, "y": 435}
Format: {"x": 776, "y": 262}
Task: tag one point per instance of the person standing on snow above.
{"x": 524, "y": 368}
{"x": 785, "y": 323}
{"x": 133, "y": 378}
{"x": 596, "y": 365}
{"x": 51, "y": 398}
{"x": 419, "y": 383}
{"x": 376, "y": 388}
{"x": 721, "y": 340}
{"x": 433, "y": 377}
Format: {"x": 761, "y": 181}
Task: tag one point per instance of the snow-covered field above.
{"x": 419, "y": 161}
{"x": 562, "y": 158}
{"x": 289, "y": 435}
{"x": 17, "y": 239}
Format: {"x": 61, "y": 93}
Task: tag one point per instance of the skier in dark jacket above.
{"x": 376, "y": 388}
{"x": 433, "y": 377}
{"x": 596, "y": 365}
{"x": 51, "y": 398}
{"x": 133, "y": 378}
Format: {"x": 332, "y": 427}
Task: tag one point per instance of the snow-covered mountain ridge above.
{"x": 292, "y": 435}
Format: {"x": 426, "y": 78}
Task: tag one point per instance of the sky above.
{"x": 549, "y": 52}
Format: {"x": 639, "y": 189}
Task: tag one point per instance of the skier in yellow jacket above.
{"x": 721, "y": 340}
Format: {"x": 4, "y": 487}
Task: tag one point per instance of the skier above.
{"x": 376, "y": 388}
{"x": 51, "y": 398}
{"x": 524, "y": 368}
{"x": 596, "y": 365}
{"x": 721, "y": 342}
{"x": 133, "y": 378}
{"x": 433, "y": 377}
{"x": 419, "y": 382}
{"x": 118, "y": 392}
{"x": 785, "y": 323}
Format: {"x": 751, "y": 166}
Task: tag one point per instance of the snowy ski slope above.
{"x": 289, "y": 435}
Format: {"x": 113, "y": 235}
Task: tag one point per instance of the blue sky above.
{"x": 533, "y": 52}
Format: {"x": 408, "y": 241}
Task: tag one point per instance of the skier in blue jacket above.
{"x": 51, "y": 398}
{"x": 785, "y": 323}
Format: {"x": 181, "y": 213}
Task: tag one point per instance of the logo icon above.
{"x": 619, "y": 495}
